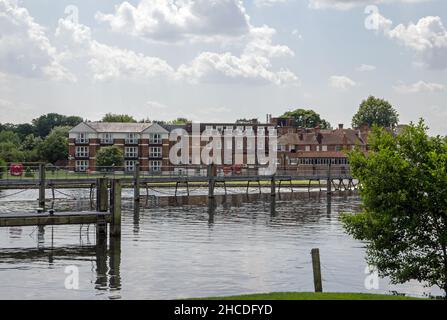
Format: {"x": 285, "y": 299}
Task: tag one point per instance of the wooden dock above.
{"x": 17, "y": 219}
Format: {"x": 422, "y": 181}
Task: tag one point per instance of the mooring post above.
{"x": 317, "y": 270}
{"x": 328, "y": 183}
{"x": 136, "y": 184}
{"x": 211, "y": 181}
{"x": 102, "y": 197}
{"x": 273, "y": 186}
{"x": 42, "y": 184}
{"x": 115, "y": 208}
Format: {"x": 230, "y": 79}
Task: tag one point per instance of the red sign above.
{"x": 16, "y": 170}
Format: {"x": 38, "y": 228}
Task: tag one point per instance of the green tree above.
{"x": 10, "y": 153}
{"x": 45, "y": 123}
{"x": 10, "y": 136}
{"x": 375, "y": 111}
{"x": 55, "y": 146}
{"x": 2, "y": 166}
{"x": 403, "y": 183}
{"x": 110, "y": 157}
{"x": 109, "y": 117}
{"x": 307, "y": 119}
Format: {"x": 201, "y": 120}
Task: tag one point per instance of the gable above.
{"x": 156, "y": 128}
{"x": 81, "y": 128}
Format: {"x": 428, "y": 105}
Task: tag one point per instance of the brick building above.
{"x": 147, "y": 143}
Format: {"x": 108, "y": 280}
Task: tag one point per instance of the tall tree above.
{"x": 403, "y": 183}
{"x": 55, "y": 145}
{"x": 375, "y": 111}
{"x": 109, "y": 117}
{"x": 307, "y": 119}
{"x": 45, "y": 123}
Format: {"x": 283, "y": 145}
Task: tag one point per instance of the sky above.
{"x": 221, "y": 60}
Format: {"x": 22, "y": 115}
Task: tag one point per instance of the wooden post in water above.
{"x": 42, "y": 185}
{"x": 136, "y": 184}
{"x": 317, "y": 270}
{"x": 115, "y": 208}
{"x": 329, "y": 179}
{"x": 273, "y": 187}
{"x": 211, "y": 180}
{"x": 102, "y": 197}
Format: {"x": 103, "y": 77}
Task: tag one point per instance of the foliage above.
{"x": 2, "y": 165}
{"x": 110, "y": 157}
{"x": 10, "y": 136}
{"x": 109, "y": 117}
{"x": 10, "y": 153}
{"x": 247, "y": 121}
{"x": 403, "y": 183}
{"x": 45, "y": 123}
{"x": 307, "y": 119}
{"x": 55, "y": 146}
{"x": 375, "y": 111}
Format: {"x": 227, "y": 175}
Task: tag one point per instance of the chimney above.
{"x": 340, "y": 126}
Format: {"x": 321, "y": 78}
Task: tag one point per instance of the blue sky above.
{"x": 222, "y": 60}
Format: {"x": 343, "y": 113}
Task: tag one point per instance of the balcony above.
{"x": 131, "y": 141}
{"x": 107, "y": 141}
{"x": 81, "y": 155}
{"x": 83, "y": 141}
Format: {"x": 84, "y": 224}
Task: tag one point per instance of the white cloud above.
{"x": 177, "y": 20}
{"x": 419, "y": 87}
{"x": 107, "y": 62}
{"x": 366, "y": 68}
{"x": 428, "y": 38}
{"x": 25, "y": 49}
{"x": 341, "y": 82}
{"x": 349, "y": 4}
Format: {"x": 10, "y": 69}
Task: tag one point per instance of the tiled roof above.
{"x": 118, "y": 127}
{"x": 335, "y": 137}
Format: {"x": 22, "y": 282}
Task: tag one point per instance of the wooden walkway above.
{"x": 16, "y": 219}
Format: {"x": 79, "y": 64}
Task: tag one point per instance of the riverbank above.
{"x": 315, "y": 296}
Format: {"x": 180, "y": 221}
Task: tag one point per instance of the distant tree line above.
{"x": 46, "y": 137}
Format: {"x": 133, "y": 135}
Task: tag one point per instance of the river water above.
{"x": 187, "y": 247}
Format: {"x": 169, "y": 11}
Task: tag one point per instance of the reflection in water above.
{"x": 252, "y": 243}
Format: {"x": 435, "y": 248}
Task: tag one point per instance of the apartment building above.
{"x": 147, "y": 143}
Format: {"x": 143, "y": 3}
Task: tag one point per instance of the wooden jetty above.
{"x": 107, "y": 212}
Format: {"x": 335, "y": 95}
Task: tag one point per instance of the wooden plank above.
{"x": 35, "y": 219}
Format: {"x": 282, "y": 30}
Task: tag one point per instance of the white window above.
{"x": 249, "y": 144}
{"x": 155, "y": 165}
{"x": 229, "y": 144}
{"x": 318, "y": 148}
{"x": 82, "y": 138}
{"x": 324, "y": 148}
{"x": 155, "y": 152}
{"x": 218, "y": 143}
{"x": 132, "y": 138}
{"x": 131, "y": 152}
{"x": 107, "y": 138}
{"x": 261, "y": 143}
{"x": 240, "y": 144}
{"x": 307, "y": 148}
{"x": 129, "y": 165}
{"x": 155, "y": 138}
{"x": 81, "y": 165}
{"x": 81, "y": 152}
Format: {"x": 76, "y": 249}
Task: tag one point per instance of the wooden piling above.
{"x": 42, "y": 184}
{"x": 317, "y": 270}
{"x": 211, "y": 180}
{"x": 102, "y": 197}
{"x": 273, "y": 187}
{"x": 115, "y": 208}
{"x": 329, "y": 179}
{"x": 136, "y": 183}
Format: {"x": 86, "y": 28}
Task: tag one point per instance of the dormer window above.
{"x": 155, "y": 138}
{"x": 132, "y": 138}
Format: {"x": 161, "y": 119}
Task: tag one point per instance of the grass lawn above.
{"x": 314, "y": 296}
